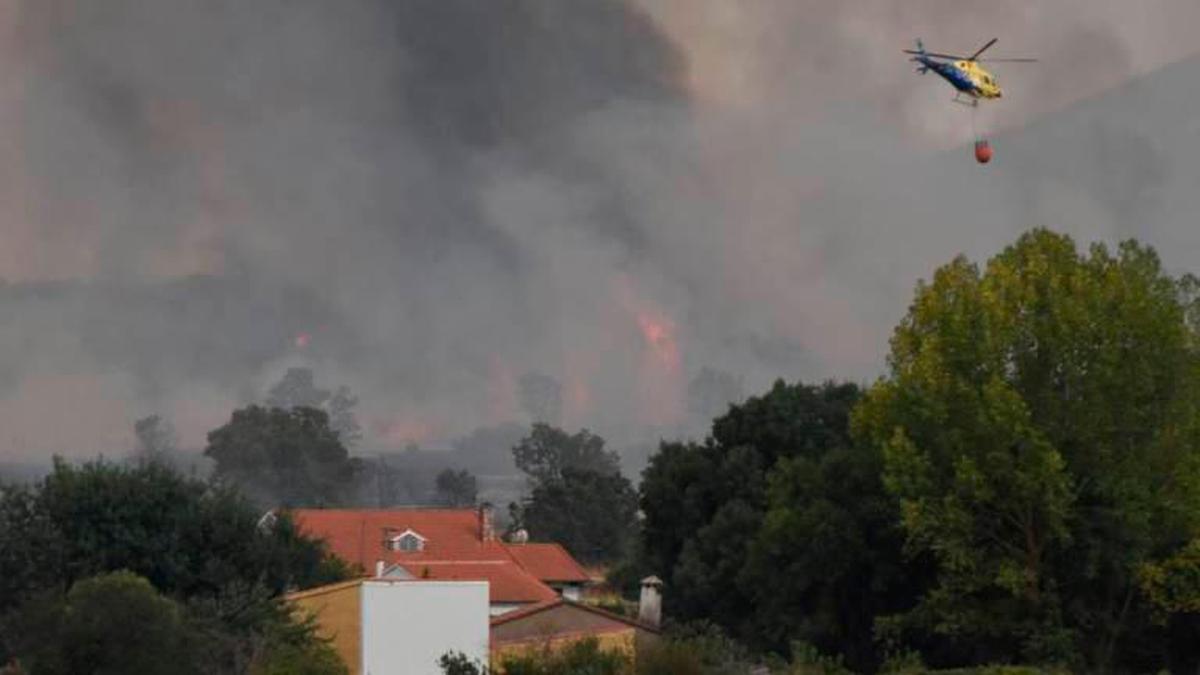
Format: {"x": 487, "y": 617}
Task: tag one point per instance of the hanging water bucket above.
{"x": 983, "y": 151}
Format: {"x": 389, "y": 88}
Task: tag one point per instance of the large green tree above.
{"x": 548, "y": 450}
{"x": 594, "y": 515}
{"x": 186, "y": 536}
{"x": 827, "y": 561}
{"x": 778, "y": 527}
{"x": 1039, "y": 425}
{"x": 282, "y": 456}
{"x": 201, "y": 544}
{"x": 110, "y": 624}
{"x": 579, "y": 497}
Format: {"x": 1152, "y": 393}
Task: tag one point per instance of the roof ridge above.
{"x": 428, "y": 509}
{"x": 550, "y": 604}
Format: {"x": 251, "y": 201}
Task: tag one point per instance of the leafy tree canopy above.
{"x": 579, "y": 499}
{"x": 778, "y": 527}
{"x": 593, "y": 515}
{"x": 1039, "y": 425}
{"x": 199, "y": 544}
{"x": 547, "y": 451}
{"x": 291, "y": 457}
{"x": 114, "y": 623}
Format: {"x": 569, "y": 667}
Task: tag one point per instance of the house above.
{"x": 559, "y": 622}
{"x": 399, "y": 627}
{"x": 448, "y": 545}
{"x": 380, "y": 626}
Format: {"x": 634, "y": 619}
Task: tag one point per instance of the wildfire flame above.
{"x": 659, "y": 334}
{"x": 401, "y": 431}
{"x": 660, "y": 375}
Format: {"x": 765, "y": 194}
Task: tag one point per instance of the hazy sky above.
{"x": 442, "y": 195}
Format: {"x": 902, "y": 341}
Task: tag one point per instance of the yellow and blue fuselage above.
{"x": 968, "y": 77}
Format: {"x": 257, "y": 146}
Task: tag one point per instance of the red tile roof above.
{"x": 507, "y": 582}
{"x": 548, "y": 562}
{"x": 516, "y": 572}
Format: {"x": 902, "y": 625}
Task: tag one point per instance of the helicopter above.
{"x": 972, "y": 82}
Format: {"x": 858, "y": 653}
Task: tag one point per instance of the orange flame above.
{"x": 401, "y": 431}
{"x": 659, "y": 334}
{"x": 659, "y": 378}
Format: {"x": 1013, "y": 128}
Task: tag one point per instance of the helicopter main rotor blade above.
{"x": 983, "y": 49}
{"x": 1007, "y": 60}
{"x": 937, "y": 55}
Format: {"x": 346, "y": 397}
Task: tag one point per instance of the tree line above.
{"x": 1022, "y": 486}
{"x": 108, "y": 568}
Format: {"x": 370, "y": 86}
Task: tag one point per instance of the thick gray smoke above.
{"x": 429, "y": 200}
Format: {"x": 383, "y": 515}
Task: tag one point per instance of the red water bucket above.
{"x": 983, "y": 151}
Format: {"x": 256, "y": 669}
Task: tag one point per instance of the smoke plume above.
{"x": 430, "y": 200}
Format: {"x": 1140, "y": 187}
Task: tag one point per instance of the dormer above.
{"x": 407, "y": 541}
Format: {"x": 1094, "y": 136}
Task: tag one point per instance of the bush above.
{"x": 459, "y": 664}
{"x": 669, "y": 658}
{"x": 580, "y": 658}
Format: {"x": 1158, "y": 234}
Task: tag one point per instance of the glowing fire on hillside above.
{"x": 401, "y": 431}
{"x": 659, "y": 332}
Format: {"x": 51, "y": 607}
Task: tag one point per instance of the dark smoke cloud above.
{"x": 446, "y": 195}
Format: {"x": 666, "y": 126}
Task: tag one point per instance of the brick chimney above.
{"x": 650, "y": 603}
{"x": 487, "y": 522}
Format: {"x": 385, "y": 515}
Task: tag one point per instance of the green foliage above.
{"x": 827, "y": 560}
{"x": 807, "y": 660}
{"x": 200, "y": 544}
{"x": 110, "y": 624}
{"x": 903, "y": 662}
{"x": 290, "y": 457}
{"x": 593, "y": 515}
{"x": 185, "y": 536}
{"x": 779, "y": 527}
{"x": 579, "y": 499}
{"x": 295, "y": 650}
{"x": 548, "y": 451}
{"x": 711, "y": 647}
{"x": 668, "y": 658}
{"x": 459, "y": 664}
{"x": 1039, "y": 426}
{"x": 456, "y": 488}
{"x": 583, "y": 657}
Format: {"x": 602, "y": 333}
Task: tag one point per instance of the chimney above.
{"x": 379, "y": 566}
{"x": 487, "y": 522}
{"x": 650, "y": 604}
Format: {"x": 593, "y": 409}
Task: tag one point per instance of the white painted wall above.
{"x": 408, "y": 625}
